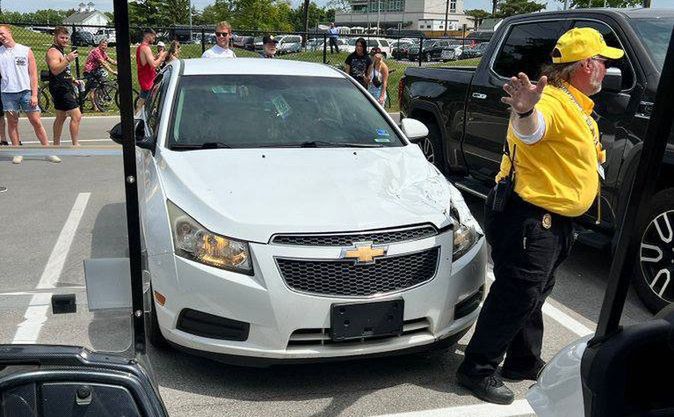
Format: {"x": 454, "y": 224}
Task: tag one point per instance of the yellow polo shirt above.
{"x": 558, "y": 172}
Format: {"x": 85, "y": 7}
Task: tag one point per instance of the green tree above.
{"x": 514, "y": 7}
{"x": 600, "y": 3}
{"x": 477, "y": 15}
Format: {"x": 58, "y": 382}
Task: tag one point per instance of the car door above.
{"x": 146, "y": 164}
{"x": 524, "y": 48}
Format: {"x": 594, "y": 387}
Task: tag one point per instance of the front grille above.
{"x": 346, "y": 278}
{"x": 319, "y": 337}
{"x": 381, "y": 237}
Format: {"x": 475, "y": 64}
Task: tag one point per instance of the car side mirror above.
{"x": 413, "y": 129}
{"x": 613, "y": 80}
{"x": 142, "y": 141}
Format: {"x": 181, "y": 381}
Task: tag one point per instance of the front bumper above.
{"x": 288, "y": 325}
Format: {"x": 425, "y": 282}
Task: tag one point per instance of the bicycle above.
{"x": 105, "y": 92}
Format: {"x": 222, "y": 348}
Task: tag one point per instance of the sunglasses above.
{"x": 607, "y": 62}
{"x": 223, "y": 34}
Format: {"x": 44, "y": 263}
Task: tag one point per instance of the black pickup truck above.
{"x": 467, "y": 122}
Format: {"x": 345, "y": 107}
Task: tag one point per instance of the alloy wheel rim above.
{"x": 656, "y": 255}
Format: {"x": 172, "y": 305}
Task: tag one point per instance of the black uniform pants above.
{"x": 528, "y": 243}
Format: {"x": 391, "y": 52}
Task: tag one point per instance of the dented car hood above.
{"x": 252, "y": 194}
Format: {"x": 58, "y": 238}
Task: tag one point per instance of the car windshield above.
{"x": 655, "y": 34}
{"x": 255, "y": 111}
{"x": 429, "y": 44}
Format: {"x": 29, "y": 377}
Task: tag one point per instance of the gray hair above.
{"x": 558, "y": 73}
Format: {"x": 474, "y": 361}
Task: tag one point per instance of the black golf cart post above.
{"x": 626, "y": 371}
{"x": 64, "y": 381}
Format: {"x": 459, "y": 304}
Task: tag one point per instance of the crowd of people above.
{"x": 19, "y": 77}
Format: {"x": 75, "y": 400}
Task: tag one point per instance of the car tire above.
{"x": 653, "y": 277}
{"x": 431, "y": 146}
{"x": 429, "y": 57}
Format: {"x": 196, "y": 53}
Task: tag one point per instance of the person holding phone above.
{"x": 63, "y": 88}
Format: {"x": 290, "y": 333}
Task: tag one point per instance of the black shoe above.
{"x": 4, "y": 143}
{"x": 515, "y": 375}
{"x": 489, "y": 388}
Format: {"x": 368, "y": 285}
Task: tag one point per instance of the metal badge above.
{"x": 547, "y": 220}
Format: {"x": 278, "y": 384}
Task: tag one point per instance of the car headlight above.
{"x": 193, "y": 241}
{"x": 467, "y": 231}
{"x": 465, "y": 237}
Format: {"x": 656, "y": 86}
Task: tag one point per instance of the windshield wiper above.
{"x": 323, "y": 144}
{"x": 195, "y": 146}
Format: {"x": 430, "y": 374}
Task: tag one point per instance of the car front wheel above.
{"x": 654, "y": 270}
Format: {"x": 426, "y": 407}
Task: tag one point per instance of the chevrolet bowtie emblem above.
{"x": 364, "y": 252}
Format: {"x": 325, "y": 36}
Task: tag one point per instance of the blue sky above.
{"x": 106, "y": 5}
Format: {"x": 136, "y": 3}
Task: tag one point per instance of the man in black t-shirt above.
{"x": 359, "y": 63}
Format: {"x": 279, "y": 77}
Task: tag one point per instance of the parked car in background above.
{"x": 281, "y": 40}
{"x": 451, "y": 52}
{"x": 400, "y": 49}
{"x": 288, "y": 48}
{"x": 106, "y": 33}
{"x": 318, "y": 45}
{"x": 82, "y": 38}
{"x": 432, "y": 50}
{"x": 474, "y": 51}
{"x": 381, "y": 43}
{"x": 244, "y": 42}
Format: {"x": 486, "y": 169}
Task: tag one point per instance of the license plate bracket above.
{"x": 366, "y": 320}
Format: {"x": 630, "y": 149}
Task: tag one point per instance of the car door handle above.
{"x": 479, "y": 95}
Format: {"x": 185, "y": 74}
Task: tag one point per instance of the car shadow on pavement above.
{"x": 342, "y": 383}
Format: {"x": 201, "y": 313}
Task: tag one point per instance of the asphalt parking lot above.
{"x": 57, "y": 215}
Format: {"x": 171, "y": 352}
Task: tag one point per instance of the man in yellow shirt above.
{"x": 554, "y": 158}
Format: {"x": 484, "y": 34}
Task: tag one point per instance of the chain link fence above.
{"x": 400, "y": 52}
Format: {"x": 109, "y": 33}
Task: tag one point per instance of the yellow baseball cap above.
{"x": 582, "y": 43}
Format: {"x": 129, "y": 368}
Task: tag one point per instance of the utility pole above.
{"x": 378, "y": 14}
{"x": 190, "y": 3}
{"x": 446, "y": 15}
{"x": 647, "y": 3}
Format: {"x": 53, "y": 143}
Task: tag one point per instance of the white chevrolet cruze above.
{"x": 286, "y": 217}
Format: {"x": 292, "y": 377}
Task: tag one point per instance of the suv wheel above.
{"x": 429, "y": 58}
{"x": 654, "y": 270}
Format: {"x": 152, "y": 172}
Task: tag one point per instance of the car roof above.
{"x": 634, "y": 13}
{"x": 257, "y": 66}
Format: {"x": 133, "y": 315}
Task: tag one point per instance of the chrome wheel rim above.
{"x": 656, "y": 256}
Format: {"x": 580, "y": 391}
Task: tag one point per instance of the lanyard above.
{"x": 601, "y": 154}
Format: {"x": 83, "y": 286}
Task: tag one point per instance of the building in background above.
{"x": 86, "y": 15}
{"x": 422, "y": 15}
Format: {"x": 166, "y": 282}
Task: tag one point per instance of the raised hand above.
{"x": 523, "y": 94}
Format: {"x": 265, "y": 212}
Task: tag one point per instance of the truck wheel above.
{"x": 653, "y": 276}
{"x": 431, "y": 146}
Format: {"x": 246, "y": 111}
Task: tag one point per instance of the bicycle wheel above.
{"x": 104, "y": 95}
{"x": 43, "y": 99}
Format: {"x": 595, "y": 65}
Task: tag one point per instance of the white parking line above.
{"x": 518, "y": 408}
{"x": 558, "y": 315}
{"x": 36, "y": 314}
